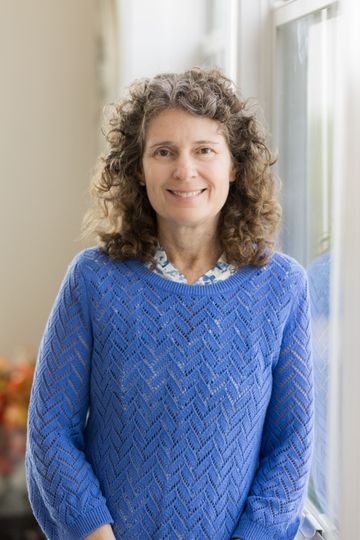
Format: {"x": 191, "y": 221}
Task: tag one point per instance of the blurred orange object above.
{"x": 15, "y": 387}
{"x": 15, "y": 415}
{"x": 19, "y": 386}
{"x": 5, "y": 370}
{"x": 4, "y": 364}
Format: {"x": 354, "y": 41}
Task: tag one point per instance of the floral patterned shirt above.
{"x": 222, "y": 270}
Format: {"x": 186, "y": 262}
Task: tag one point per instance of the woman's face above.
{"x": 187, "y": 168}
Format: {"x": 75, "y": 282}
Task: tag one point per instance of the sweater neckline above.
{"x": 187, "y": 289}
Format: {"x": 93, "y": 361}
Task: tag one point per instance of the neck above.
{"x": 193, "y": 254}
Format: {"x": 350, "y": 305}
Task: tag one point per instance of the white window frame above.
{"x": 315, "y": 524}
{"x": 347, "y": 269}
{"x": 290, "y": 10}
{"x": 344, "y": 412}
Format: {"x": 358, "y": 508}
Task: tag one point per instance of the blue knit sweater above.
{"x": 172, "y": 411}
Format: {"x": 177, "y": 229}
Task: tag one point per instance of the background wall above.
{"x": 160, "y": 35}
{"x": 48, "y": 144}
{"x": 60, "y": 62}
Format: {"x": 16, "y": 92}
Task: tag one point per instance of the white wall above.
{"x": 49, "y": 113}
{"x": 255, "y": 54}
{"x": 159, "y": 35}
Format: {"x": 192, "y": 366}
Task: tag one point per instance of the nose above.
{"x": 185, "y": 168}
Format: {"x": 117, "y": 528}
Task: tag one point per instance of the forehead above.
{"x": 177, "y": 123}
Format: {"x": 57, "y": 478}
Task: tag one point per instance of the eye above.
{"x": 163, "y": 152}
{"x": 206, "y": 151}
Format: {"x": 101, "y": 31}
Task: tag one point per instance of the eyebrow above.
{"x": 170, "y": 143}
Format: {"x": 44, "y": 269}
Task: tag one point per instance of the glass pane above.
{"x": 305, "y": 105}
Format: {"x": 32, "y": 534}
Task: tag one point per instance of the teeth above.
{"x": 187, "y": 193}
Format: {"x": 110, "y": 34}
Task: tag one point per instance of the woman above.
{"x": 173, "y": 390}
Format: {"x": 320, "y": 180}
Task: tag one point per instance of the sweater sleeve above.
{"x": 277, "y": 495}
{"x": 64, "y": 492}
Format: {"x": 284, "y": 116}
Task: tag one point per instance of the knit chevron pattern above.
{"x": 172, "y": 411}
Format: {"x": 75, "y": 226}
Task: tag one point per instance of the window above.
{"x": 305, "y": 39}
{"x": 305, "y": 105}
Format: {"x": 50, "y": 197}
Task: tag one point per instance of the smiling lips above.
{"x": 186, "y": 194}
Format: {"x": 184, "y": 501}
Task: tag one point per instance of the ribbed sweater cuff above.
{"x": 87, "y": 523}
{"x": 251, "y": 531}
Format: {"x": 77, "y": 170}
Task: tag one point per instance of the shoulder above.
{"x": 287, "y": 271}
{"x": 286, "y": 278}
{"x": 96, "y": 267}
{"x": 90, "y": 258}
{"x": 86, "y": 262}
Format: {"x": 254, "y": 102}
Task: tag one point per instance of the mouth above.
{"x": 186, "y": 194}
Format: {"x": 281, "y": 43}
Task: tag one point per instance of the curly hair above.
{"x": 122, "y": 218}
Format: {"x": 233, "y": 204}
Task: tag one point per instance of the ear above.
{"x": 232, "y": 177}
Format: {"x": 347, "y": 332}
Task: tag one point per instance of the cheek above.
{"x": 148, "y": 167}
{"x": 154, "y": 174}
{"x": 222, "y": 169}
{"x": 155, "y": 195}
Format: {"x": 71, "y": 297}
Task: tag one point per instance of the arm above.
{"x": 64, "y": 492}
{"x": 274, "y": 504}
